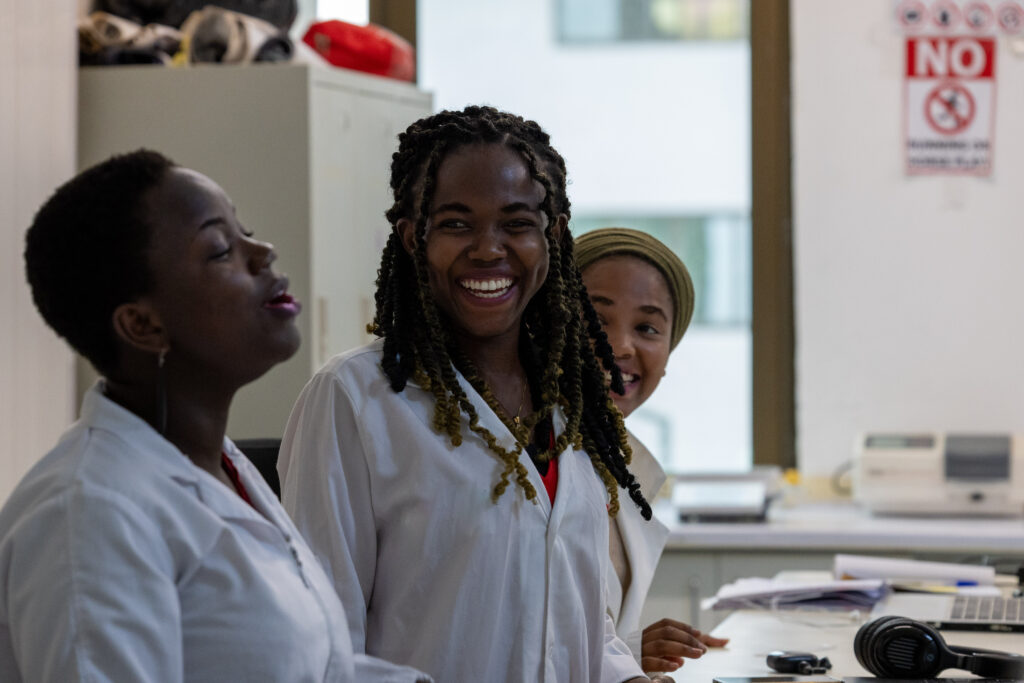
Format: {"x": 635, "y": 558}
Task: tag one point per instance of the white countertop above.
{"x": 846, "y": 526}
{"x": 825, "y": 634}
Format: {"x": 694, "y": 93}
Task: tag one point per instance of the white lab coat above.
{"x": 432, "y": 572}
{"x": 120, "y": 560}
{"x": 643, "y": 542}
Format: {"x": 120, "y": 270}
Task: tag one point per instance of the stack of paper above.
{"x": 759, "y": 593}
{"x": 866, "y": 567}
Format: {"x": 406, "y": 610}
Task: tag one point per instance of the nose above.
{"x": 262, "y": 254}
{"x": 621, "y": 341}
{"x": 487, "y": 245}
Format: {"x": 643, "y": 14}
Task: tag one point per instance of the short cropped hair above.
{"x": 85, "y": 251}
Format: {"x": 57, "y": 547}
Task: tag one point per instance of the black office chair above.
{"x": 263, "y": 454}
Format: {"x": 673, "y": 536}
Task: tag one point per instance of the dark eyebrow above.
{"x": 462, "y": 208}
{"x": 654, "y": 310}
{"x": 603, "y": 300}
{"x": 452, "y": 206}
{"x": 518, "y": 206}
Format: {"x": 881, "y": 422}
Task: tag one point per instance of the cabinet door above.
{"x": 351, "y": 179}
{"x": 339, "y": 248}
{"x": 680, "y": 581}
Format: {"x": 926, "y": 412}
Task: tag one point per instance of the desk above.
{"x": 699, "y": 557}
{"x": 754, "y": 634}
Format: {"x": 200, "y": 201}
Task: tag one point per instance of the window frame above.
{"x": 772, "y": 318}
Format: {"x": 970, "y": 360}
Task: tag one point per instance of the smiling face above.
{"x": 486, "y": 251}
{"x": 223, "y": 310}
{"x": 634, "y": 306}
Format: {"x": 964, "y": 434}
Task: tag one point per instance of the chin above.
{"x": 282, "y": 349}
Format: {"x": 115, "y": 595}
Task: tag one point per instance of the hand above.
{"x": 656, "y": 679}
{"x": 666, "y": 643}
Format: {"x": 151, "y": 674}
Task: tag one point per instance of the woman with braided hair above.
{"x": 456, "y": 476}
{"x": 644, "y": 300}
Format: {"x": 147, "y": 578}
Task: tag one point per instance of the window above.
{"x": 655, "y": 130}
{"x": 636, "y": 20}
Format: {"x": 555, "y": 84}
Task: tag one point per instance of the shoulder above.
{"x": 87, "y": 492}
{"x": 86, "y": 462}
{"x": 358, "y": 360}
{"x": 354, "y": 369}
{"x": 645, "y": 467}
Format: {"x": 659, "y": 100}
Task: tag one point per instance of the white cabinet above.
{"x": 305, "y": 154}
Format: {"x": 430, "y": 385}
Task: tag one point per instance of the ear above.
{"x": 405, "y": 228}
{"x": 138, "y": 325}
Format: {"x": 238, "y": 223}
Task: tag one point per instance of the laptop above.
{"x": 956, "y": 612}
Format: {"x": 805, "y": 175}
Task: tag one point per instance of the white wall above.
{"x": 38, "y": 56}
{"x": 908, "y": 290}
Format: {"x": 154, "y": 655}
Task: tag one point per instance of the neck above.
{"x": 196, "y": 415}
{"x": 496, "y": 358}
{"x": 498, "y": 363}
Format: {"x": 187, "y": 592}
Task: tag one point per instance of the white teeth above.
{"x": 487, "y": 289}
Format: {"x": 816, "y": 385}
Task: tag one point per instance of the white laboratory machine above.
{"x": 940, "y": 474}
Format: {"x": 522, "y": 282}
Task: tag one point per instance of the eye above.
{"x": 520, "y": 224}
{"x": 453, "y": 224}
{"x": 221, "y": 254}
{"x": 648, "y": 329}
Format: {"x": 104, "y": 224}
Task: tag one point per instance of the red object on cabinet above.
{"x": 369, "y": 48}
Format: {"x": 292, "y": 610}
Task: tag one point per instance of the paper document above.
{"x": 759, "y": 593}
{"x": 948, "y": 573}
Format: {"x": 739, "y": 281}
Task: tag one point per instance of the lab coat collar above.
{"x": 642, "y": 540}
{"x": 153, "y": 450}
{"x": 490, "y": 421}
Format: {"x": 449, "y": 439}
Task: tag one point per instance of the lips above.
{"x": 629, "y": 379}
{"x": 487, "y": 288}
{"x": 280, "y": 301}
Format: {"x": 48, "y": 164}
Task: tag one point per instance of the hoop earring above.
{"x": 161, "y": 392}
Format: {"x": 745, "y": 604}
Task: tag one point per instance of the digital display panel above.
{"x": 978, "y": 457}
{"x": 900, "y": 441}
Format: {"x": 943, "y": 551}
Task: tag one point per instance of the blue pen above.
{"x": 966, "y": 583}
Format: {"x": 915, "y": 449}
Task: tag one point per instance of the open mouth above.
{"x": 283, "y": 302}
{"x": 492, "y": 288}
{"x": 629, "y": 379}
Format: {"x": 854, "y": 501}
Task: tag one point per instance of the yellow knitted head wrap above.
{"x": 598, "y": 244}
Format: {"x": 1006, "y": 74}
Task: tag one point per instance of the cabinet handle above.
{"x": 322, "y": 335}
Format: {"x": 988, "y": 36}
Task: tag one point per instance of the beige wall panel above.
{"x": 37, "y": 153}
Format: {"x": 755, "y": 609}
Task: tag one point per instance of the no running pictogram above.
{"x": 949, "y": 108}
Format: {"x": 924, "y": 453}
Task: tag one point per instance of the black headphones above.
{"x": 896, "y": 647}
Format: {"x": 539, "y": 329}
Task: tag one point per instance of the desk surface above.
{"x": 846, "y": 526}
{"x": 826, "y": 634}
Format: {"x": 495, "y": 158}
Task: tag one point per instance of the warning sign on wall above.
{"x": 950, "y": 96}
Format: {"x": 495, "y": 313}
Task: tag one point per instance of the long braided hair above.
{"x": 571, "y": 353}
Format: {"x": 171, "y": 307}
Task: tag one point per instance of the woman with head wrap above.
{"x": 644, "y": 300}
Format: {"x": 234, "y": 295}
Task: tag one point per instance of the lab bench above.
{"x": 700, "y": 557}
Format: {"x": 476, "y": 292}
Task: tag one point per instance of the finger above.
{"x": 668, "y": 647}
{"x": 663, "y": 679}
{"x": 658, "y": 664}
{"x": 672, "y": 623}
{"x": 712, "y": 641}
{"x": 671, "y": 634}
